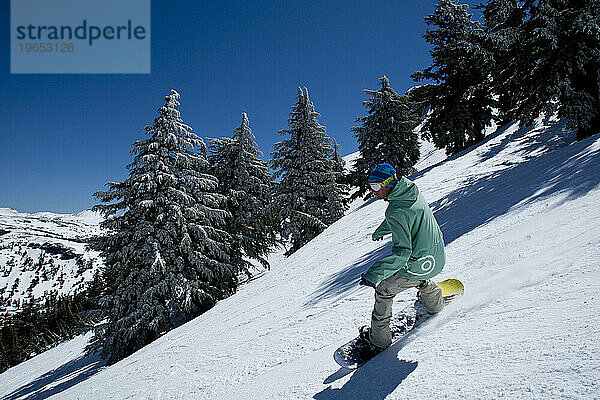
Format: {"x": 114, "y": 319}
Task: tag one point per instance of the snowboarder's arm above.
{"x": 401, "y": 250}
{"x": 381, "y": 231}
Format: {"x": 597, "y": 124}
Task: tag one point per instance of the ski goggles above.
{"x": 376, "y": 186}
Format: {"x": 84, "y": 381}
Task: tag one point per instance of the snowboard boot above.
{"x": 421, "y": 308}
{"x": 364, "y": 336}
{"x": 435, "y": 301}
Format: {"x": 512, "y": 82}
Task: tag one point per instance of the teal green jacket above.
{"x": 417, "y": 241}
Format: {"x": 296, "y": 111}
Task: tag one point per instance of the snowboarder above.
{"x": 417, "y": 252}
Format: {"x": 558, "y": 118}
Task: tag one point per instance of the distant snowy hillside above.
{"x": 44, "y": 252}
{"x": 521, "y": 220}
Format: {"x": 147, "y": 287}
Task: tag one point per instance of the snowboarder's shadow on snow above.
{"x": 68, "y": 374}
{"x": 337, "y": 285}
{"x": 375, "y": 380}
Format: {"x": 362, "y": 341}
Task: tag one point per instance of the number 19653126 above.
{"x": 35, "y": 47}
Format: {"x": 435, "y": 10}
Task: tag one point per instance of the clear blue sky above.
{"x": 64, "y": 136}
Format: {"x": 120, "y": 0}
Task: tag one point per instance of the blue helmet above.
{"x": 383, "y": 172}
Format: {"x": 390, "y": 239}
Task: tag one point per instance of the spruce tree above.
{"x": 339, "y": 166}
{"x": 503, "y": 20}
{"x": 387, "y": 134}
{"x": 554, "y": 64}
{"x": 309, "y": 196}
{"x": 165, "y": 251}
{"x": 461, "y": 101}
{"x": 337, "y": 158}
{"x": 245, "y": 181}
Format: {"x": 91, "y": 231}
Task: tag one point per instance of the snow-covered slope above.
{"x": 44, "y": 252}
{"x": 520, "y": 214}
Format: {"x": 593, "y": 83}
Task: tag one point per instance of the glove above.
{"x": 376, "y": 238}
{"x": 365, "y": 282}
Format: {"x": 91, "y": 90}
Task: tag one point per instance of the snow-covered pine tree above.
{"x": 341, "y": 163}
{"x": 387, "y": 134}
{"x": 461, "y": 102}
{"x": 309, "y": 196}
{"x": 245, "y": 181}
{"x": 165, "y": 251}
{"x": 503, "y": 20}
{"x": 554, "y": 64}
{"x": 342, "y": 177}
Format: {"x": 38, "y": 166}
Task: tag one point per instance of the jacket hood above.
{"x": 405, "y": 190}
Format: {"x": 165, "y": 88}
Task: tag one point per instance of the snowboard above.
{"x": 357, "y": 352}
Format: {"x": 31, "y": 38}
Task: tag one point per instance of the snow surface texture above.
{"x": 522, "y": 226}
{"x": 45, "y": 252}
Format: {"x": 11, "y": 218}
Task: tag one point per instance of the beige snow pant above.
{"x": 431, "y": 296}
